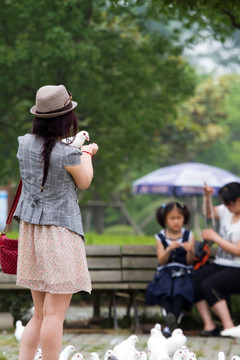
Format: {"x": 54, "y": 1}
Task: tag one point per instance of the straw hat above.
{"x": 52, "y": 101}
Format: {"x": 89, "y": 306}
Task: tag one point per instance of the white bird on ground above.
{"x": 159, "y": 328}
{"x": 178, "y": 355}
{"x": 235, "y": 357}
{"x": 138, "y": 355}
{"x": 111, "y": 357}
{"x": 78, "y": 140}
{"x": 19, "y": 330}
{"x": 126, "y": 348}
{"x": 38, "y": 353}
{"x": 94, "y": 356}
{"x": 185, "y": 350}
{"x": 176, "y": 341}
{"x": 66, "y": 352}
{"x": 77, "y": 356}
{"x": 191, "y": 356}
{"x": 38, "y": 357}
{"x": 221, "y": 355}
{"x": 108, "y": 353}
{"x": 157, "y": 345}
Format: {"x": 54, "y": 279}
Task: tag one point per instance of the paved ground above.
{"x": 103, "y": 340}
{"x": 204, "y": 348}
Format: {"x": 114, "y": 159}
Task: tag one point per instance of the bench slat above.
{"x": 146, "y": 250}
{"x": 105, "y": 276}
{"x": 104, "y": 263}
{"x": 129, "y": 262}
{"x": 137, "y": 275}
{"x": 103, "y": 250}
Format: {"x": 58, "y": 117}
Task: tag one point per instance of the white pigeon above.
{"x": 19, "y": 330}
{"x": 94, "y": 356}
{"x": 178, "y": 355}
{"x": 137, "y": 355}
{"x": 111, "y": 357}
{"x": 38, "y": 357}
{"x": 221, "y": 355}
{"x": 77, "y": 356}
{"x": 38, "y": 353}
{"x": 141, "y": 355}
{"x": 158, "y": 327}
{"x": 152, "y": 354}
{"x": 185, "y": 350}
{"x": 126, "y": 348}
{"x": 235, "y": 357}
{"x": 66, "y": 352}
{"x": 157, "y": 345}
{"x": 78, "y": 140}
{"x": 108, "y": 353}
{"x": 176, "y": 341}
{"x": 191, "y": 356}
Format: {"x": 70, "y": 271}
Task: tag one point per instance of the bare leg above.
{"x": 221, "y": 310}
{"x": 31, "y": 335}
{"x": 204, "y": 311}
{"x": 54, "y": 311}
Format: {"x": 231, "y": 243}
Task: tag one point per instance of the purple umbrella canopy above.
{"x": 183, "y": 179}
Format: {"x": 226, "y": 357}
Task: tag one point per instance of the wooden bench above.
{"x": 119, "y": 271}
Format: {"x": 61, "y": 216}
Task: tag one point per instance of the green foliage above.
{"x": 218, "y": 16}
{"x": 123, "y": 75}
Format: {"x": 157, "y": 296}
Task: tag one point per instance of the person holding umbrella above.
{"x": 214, "y": 282}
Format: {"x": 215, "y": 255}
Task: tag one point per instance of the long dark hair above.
{"x": 51, "y": 130}
{"x": 163, "y": 210}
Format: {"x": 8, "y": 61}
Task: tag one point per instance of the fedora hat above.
{"x": 52, "y": 100}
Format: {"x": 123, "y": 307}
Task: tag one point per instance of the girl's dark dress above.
{"x": 174, "y": 278}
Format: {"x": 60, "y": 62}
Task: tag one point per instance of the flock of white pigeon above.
{"x": 158, "y": 348}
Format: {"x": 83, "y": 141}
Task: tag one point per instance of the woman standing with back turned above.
{"x": 51, "y": 260}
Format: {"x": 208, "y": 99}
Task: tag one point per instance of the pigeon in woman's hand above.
{"x": 78, "y": 140}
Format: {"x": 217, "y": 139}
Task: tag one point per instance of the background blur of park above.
{"x": 157, "y": 83}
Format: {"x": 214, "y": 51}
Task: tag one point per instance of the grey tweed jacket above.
{"x": 58, "y": 203}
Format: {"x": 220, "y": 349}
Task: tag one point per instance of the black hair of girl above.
{"x": 230, "y": 192}
{"x": 162, "y": 212}
{"x": 52, "y": 129}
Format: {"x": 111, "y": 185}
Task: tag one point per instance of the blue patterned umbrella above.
{"x": 183, "y": 179}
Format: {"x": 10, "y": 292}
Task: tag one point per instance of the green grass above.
{"x": 107, "y": 239}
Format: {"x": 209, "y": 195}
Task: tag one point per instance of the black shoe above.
{"x": 171, "y": 321}
{"x": 166, "y": 332}
{"x": 214, "y": 332}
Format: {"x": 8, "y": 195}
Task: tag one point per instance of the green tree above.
{"x": 127, "y": 82}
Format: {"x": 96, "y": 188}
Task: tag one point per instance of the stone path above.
{"x": 85, "y": 343}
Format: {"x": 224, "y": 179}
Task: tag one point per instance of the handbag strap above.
{"x": 14, "y": 205}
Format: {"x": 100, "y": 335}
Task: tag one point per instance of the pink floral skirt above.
{"x": 51, "y": 259}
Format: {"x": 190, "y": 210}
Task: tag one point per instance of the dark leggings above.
{"x": 173, "y": 305}
{"x": 215, "y": 282}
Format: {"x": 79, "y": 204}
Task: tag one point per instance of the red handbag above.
{"x": 9, "y": 247}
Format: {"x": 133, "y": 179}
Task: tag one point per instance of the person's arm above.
{"x": 208, "y": 202}
{"x": 162, "y": 253}
{"x": 83, "y": 173}
{"x": 189, "y": 247}
{"x": 231, "y": 248}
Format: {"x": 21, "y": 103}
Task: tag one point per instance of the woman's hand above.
{"x": 210, "y": 235}
{"x": 92, "y": 148}
{"x": 208, "y": 190}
